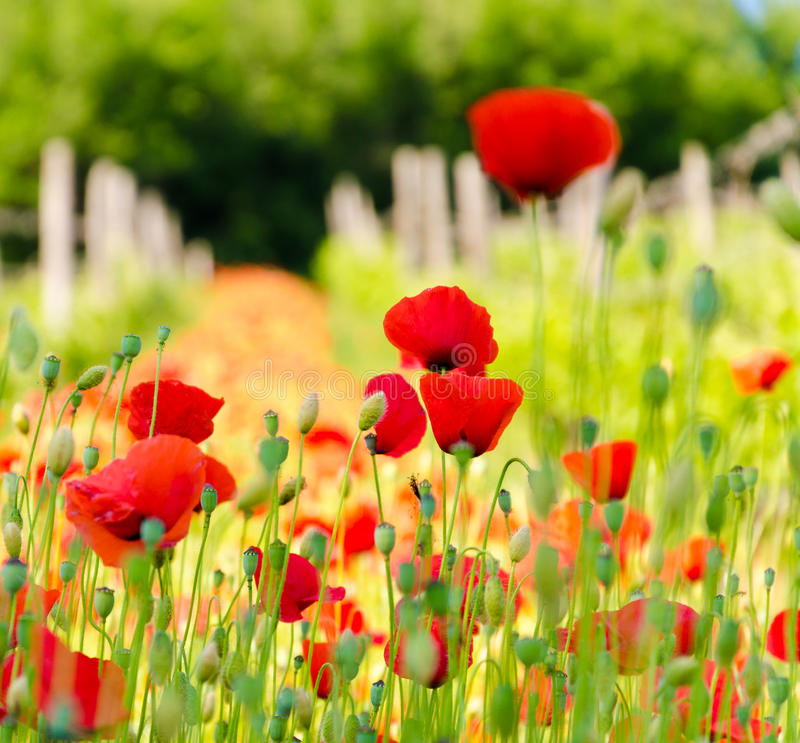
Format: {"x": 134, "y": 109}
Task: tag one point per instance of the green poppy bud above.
{"x": 250, "y": 562}
{"x": 218, "y": 577}
{"x": 545, "y": 570}
{"x": 530, "y": 650}
{"x": 283, "y": 705}
{"x": 371, "y": 442}
{"x": 420, "y": 657}
{"x": 504, "y": 501}
{"x": 67, "y": 571}
{"x": 168, "y": 716}
{"x": 131, "y": 346}
{"x": 164, "y": 612}
{"x": 705, "y": 298}
{"x": 271, "y": 422}
{"x": 50, "y": 368}
{"x": 425, "y": 539}
{"x": 752, "y": 678}
{"x": 436, "y": 597}
{"x": 208, "y": 663}
{"x": 272, "y": 452}
{"x": 208, "y": 499}
{"x": 778, "y": 689}
{"x": 332, "y": 725}
{"x": 91, "y": 456}
{"x": 277, "y": 554}
{"x": 351, "y": 728}
{"x": 372, "y": 410}
{"x": 160, "y": 657}
{"x": 384, "y": 538}
{"x": 769, "y": 577}
{"x": 297, "y": 663}
{"x": 406, "y": 576}
{"x": 495, "y": 600}
{"x": 12, "y": 536}
{"x": 615, "y": 515}
{"x": 308, "y": 412}
{"x": 727, "y": 641}
{"x": 681, "y": 671}
{"x": 103, "y": 602}
{"x": 655, "y": 385}
{"x": 619, "y": 200}
{"x": 60, "y": 451}
{"x": 520, "y": 544}
{"x": 750, "y": 476}
{"x": 122, "y": 657}
{"x": 589, "y": 429}
{"x": 782, "y": 206}
{"x": 92, "y": 377}
{"x": 152, "y": 532}
{"x": 376, "y": 694}
{"x": 233, "y": 668}
{"x": 718, "y": 604}
{"x": 15, "y": 573}
{"x": 427, "y": 506}
{"x": 657, "y": 252}
{"x": 708, "y": 435}
{"x": 605, "y": 566}
{"x": 115, "y": 364}
{"x": 287, "y": 492}
{"x": 162, "y": 334}
{"x": 736, "y": 480}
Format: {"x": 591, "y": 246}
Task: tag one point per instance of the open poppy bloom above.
{"x": 538, "y": 140}
{"x": 779, "y": 642}
{"x": 604, "y": 471}
{"x": 440, "y": 664}
{"x": 472, "y": 409}
{"x": 67, "y": 689}
{"x": 221, "y": 479}
{"x": 300, "y": 590}
{"x": 161, "y": 478}
{"x": 403, "y": 424}
{"x": 759, "y": 370}
{"x": 442, "y": 328}
{"x": 629, "y": 635}
{"x": 181, "y": 410}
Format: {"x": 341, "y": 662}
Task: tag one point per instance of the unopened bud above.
{"x": 250, "y": 562}
{"x": 520, "y": 544}
{"x": 164, "y": 611}
{"x": 384, "y": 538}
{"x": 504, "y": 501}
{"x": 655, "y": 385}
{"x": 12, "y": 536}
{"x": 60, "y": 451}
{"x": 495, "y": 599}
{"x": 152, "y": 532}
{"x": 307, "y": 415}
{"x": 372, "y": 410}
{"x": 131, "y": 346}
{"x": 160, "y": 657}
{"x": 67, "y": 571}
{"x": 727, "y": 641}
{"x": 208, "y": 499}
{"x": 271, "y": 422}
{"x": 277, "y": 554}
{"x": 290, "y": 489}
{"x": 406, "y": 576}
{"x": 91, "y": 456}
{"x": 619, "y": 200}
{"x": 50, "y": 368}
{"x": 91, "y": 377}
{"x": 15, "y": 573}
{"x": 20, "y": 419}
{"x": 103, "y": 602}
{"x": 163, "y": 333}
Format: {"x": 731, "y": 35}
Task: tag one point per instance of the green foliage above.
{"x": 243, "y": 112}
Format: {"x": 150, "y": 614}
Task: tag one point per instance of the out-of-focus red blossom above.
{"x": 357, "y": 529}
{"x": 9, "y": 455}
{"x": 779, "y": 636}
{"x": 300, "y": 590}
{"x": 472, "y": 409}
{"x": 538, "y": 140}
{"x": 722, "y": 726}
{"x": 37, "y": 602}
{"x": 161, "y": 478}
{"x": 442, "y": 328}
{"x": 630, "y": 637}
{"x": 322, "y": 678}
{"x": 181, "y": 410}
{"x": 693, "y": 562}
{"x": 759, "y": 370}
{"x": 220, "y": 477}
{"x": 438, "y": 637}
{"x": 63, "y": 677}
{"x": 73, "y": 468}
{"x": 562, "y": 530}
{"x": 328, "y": 448}
{"x": 403, "y": 424}
{"x": 333, "y": 620}
{"x": 465, "y": 571}
{"x": 604, "y": 471}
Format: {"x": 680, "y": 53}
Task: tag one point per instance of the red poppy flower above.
{"x": 181, "y": 410}
{"x": 359, "y": 531}
{"x": 693, "y": 561}
{"x": 61, "y": 677}
{"x": 161, "y": 478}
{"x": 221, "y": 479}
{"x": 301, "y": 589}
{"x": 538, "y": 140}
{"x": 438, "y": 636}
{"x": 38, "y": 604}
{"x": 472, "y": 409}
{"x": 443, "y": 329}
{"x": 759, "y": 370}
{"x": 333, "y": 620}
{"x": 631, "y": 638}
{"x": 725, "y": 697}
{"x": 403, "y": 424}
{"x": 604, "y": 471}
{"x": 778, "y": 636}
{"x": 323, "y": 654}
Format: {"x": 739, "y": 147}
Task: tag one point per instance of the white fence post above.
{"x": 406, "y": 208}
{"x": 697, "y": 195}
{"x": 437, "y": 239}
{"x": 57, "y": 232}
{"x": 473, "y": 212}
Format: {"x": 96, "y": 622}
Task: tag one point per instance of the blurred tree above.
{"x": 243, "y": 111}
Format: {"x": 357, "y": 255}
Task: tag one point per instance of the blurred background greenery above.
{"x": 242, "y": 112}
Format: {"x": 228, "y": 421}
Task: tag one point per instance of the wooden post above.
{"x": 98, "y": 258}
{"x": 57, "y": 232}
{"x": 437, "y": 241}
{"x": 406, "y": 209}
{"x": 350, "y": 214}
{"x": 473, "y": 212}
{"x": 697, "y": 195}
{"x": 157, "y": 234}
{"x": 198, "y": 261}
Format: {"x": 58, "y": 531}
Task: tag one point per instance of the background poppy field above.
{"x": 322, "y": 491}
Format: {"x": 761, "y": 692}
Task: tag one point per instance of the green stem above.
{"x": 128, "y": 363}
{"x": 155, "y": 390}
